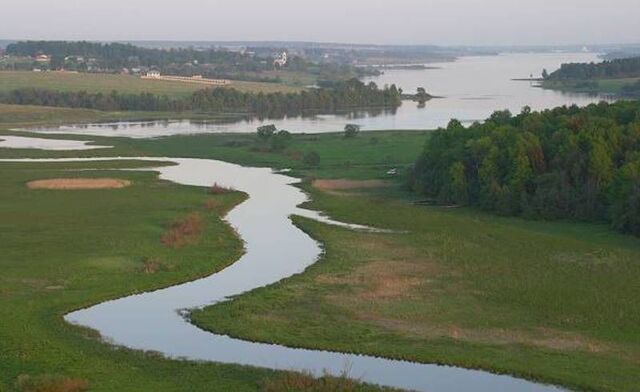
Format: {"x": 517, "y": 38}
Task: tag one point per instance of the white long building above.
{"x": 155, "y": 75}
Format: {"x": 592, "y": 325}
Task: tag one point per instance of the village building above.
{"x": 155, "y": 75}
{"x": 43, "y": 58}
{"x": 281, "y": 60}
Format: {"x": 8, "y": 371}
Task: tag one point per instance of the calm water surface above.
{"x": 275, "y": 249}
{"x": 472, "y": 87}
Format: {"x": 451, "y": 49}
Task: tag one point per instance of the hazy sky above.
{"x": 471, "y": 22}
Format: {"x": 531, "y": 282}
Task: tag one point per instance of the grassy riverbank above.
{"x": 548, "y": 301}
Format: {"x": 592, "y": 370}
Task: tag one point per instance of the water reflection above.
{"x": 471, "y": 89}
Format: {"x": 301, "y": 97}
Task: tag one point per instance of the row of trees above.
{"x": 619, "y": 68}
{"x": 568, "y": 162}
{"x": 212, "y": 63}
{"x": 115, "y": 56}
{"x": 342, "y": 95}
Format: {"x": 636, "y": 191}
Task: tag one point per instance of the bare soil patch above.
{"x": 79, "y": 183}
{"x": 342, "y": 184}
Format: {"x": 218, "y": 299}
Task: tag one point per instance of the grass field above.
{"x": 105, "y": 83}
{"x": 548, "y": 301}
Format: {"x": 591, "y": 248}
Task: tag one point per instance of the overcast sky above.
{"x": 468, "y": 22}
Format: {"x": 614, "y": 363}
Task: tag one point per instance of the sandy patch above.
{"x": 79, "y": 183}
{"x": 342, "y": 184}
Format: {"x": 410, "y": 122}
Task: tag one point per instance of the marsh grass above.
{"x": 184, "y": 231}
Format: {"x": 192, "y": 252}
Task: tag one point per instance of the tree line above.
{"x": 563, "y": 163}
{"x": 212, "y": 63}
{"x": 115, "y": 56}
{"x": 349, "y": 94}
{"x": 619, "y": 68}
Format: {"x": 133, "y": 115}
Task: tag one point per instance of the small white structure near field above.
{"x": 43, "y": 58}
{"x": 281, "y": 60}
{"x": 155, "y": 75}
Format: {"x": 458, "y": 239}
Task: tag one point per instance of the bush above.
{"x": 311, "y": 158}
{"x": 280, "y": 141}
{"x": 265, "y": 132}
{"x": 351, "y": 130}
{"x": 218, "y": 189}
{"x": 299, "y": 382}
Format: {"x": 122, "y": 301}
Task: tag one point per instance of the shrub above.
{"x": 218, "y": 189}
{"x": 151, "y": 265}
{"x": 311, "y": 158}
{"x": 351, "y": 130}
{"x": 300, "y": 382}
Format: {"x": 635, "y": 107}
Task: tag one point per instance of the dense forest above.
{"x": 86, "y": 56}
{"x": 350, "y": 94}
{"x": 619, "y": 68}
{"x": 567, "y": 162}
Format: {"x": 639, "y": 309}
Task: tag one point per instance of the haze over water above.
{"x": 472, "y": 88}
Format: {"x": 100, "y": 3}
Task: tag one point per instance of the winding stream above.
{"x": 275, "y": 249}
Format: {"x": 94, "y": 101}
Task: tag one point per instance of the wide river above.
{"x": 472, "y": 88}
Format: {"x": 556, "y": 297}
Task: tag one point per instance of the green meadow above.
{"x": 548, "y": 301}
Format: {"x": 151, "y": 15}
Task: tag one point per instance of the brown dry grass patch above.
{"x": 216, "y": 189}
{"x": 185, "y": 231}
{"x": 343, "y": 184}
{"x": 299, "y": 382}
{"x": 79, "y": 183}
{"x": 384, "y": 280}
{"x": 48, "y": 383}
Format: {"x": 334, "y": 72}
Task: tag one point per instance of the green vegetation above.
{"x": 255, "y": 64}
{"x": 553, "y": 301}
{"x": 63, "y": 250}
{"x": 547, "y": 301}
{"x": 619, "y": 77}
{"x": 628, "y": 87}
{"x": 564, "y": 163}
{"x": 611, "y": 69}
{"x": 54, "y": 264}
{"x": 125, "y": 84}
{"x": 351, "y": 94}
